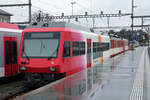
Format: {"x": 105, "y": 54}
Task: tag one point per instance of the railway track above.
{"x": 12, "y": 89}
{"x": 11, "y": 94}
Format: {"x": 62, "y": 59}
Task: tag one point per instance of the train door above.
{"x": 67, "y": 55}
{"x": 88, "y": 53}
{"x": 10, "y": 56}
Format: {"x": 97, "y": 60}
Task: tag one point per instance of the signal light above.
{"x": 23, "y": 68}
{"x": 52, "y": 69}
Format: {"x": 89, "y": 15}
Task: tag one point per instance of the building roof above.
{"x": 2, "y": 12}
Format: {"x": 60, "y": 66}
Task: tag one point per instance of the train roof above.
{"x": 59, "y": 25}
{"x": 8, "y": 25}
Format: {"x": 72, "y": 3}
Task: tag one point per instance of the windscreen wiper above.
{"x": 52, "y": 55}
{"x": 42, "y": 46}
{"x": 25, "y": 54}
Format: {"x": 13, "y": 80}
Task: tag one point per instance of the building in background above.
{"x": 5, "y": 16}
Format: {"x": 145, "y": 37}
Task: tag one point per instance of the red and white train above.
{"x": 53, "y": 50}
{"x": 9, "y": 49}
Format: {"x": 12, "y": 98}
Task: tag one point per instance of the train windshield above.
{"x": 40, "y": 45}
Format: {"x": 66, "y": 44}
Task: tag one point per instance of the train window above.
{"x": 94, "y": 47}
{"x": 66, "y": 49}
{"x": 105, "y": 46}
{"x": 41, "y": 45}
{"x": 98, "y": 48}
{"x": 14, "y": 52}
{"x": 41, "y": 35}
{"x": 95, "y": 50}
{"x": 75, "y": 48}
{"x": 82, "y": 48}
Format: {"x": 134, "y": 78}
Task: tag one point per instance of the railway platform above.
{"x": 124, "y": 77}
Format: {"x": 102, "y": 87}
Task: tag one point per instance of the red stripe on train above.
{"x": 7, "y": 25}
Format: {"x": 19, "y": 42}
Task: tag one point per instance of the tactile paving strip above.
{"x": 137, "y": 90}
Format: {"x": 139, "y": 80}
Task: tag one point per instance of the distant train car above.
{"x": 118, "y": 46}
{"x": 9, "y": 49}
{"x": 53, "y": 50}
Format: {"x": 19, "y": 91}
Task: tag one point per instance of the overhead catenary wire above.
{"x": 45, "y": 10}
{"x": 49, "y": 7}
{"x": 83, "y": 6}
{"x": 40, "y": 8}
{"x": 47, "y": 3}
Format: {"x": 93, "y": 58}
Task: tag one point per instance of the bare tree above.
{"x": 40, "y": 16}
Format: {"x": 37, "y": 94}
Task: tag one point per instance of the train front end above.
{"x": 39, "y": 56}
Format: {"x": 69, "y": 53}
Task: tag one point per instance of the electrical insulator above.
{"x": 86, "y": 13}
{"x": 76, "y": 19}
{"x": 62, "y": 14}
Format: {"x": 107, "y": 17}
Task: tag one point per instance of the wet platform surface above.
{"x": 121, "y": 78}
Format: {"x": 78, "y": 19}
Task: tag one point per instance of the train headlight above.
{"x": 23, "y": 68}
{"x": 52, "y": 69}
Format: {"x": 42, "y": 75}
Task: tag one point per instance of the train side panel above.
{"x": 9, "y": 49}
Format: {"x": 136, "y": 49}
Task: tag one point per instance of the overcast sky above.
{"x": 56, "y": 7}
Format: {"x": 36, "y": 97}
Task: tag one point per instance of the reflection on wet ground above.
{"x": 112, "y": 80}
